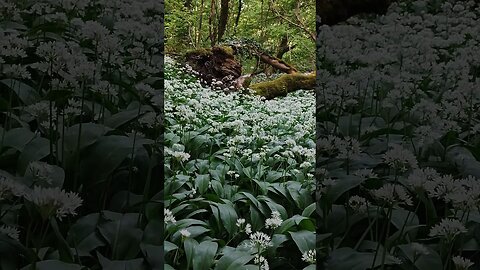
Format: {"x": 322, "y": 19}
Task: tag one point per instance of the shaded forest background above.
{"x": 282, "y": 28}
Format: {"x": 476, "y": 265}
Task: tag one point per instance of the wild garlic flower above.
{"x": 462, "y": 263}
{"x": 310, "y": 256}
{"x": 261, "y": 261}
{"x": 448, "y": 228}
{"x": 41, "y": 171}
{"x": 54, "y": 201}
{"x": 240, "y": 222}
{"x": 419, "y": 177}
{"x": 10, "y": 188}
{"x": 393, "y": 194}
{"x": 274, "y": 222}
{"x": 248, "y": 228}
{"x": 178, "y": 155}
{"x": 185, "y": 233}
{"x": 419, "y": 249}
{"x": 358, "y": 204}
{"x": 365, "y": 173}
{"x": 168, "y": 216}
{"x": 259, "y": 241}
{"x": 10, "y": 231}
{"x": 399, "y": 158}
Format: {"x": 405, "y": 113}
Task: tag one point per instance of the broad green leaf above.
{"x": 201, "y": 183}
{"x": 347, "y": 258}
{"x": 36, "y": 149}
{"x": 122, "y": 233}
{"x": 204, "y": 255}
{"x": 83, "y": 236}
{"x": 27, "y": 94}
{"x": 234, "y": 261}
{"x": 190, "y": 245}
{"x": 54, "y": 265}
{"x": 305, "y": 240}
{"x": 134, "y": 264}
{"x": 18, "y": 138}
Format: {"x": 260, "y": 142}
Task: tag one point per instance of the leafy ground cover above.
{"x": 80, "y": 135}
{"x": 239, "y": 180}
{"x": 398, "y": 142}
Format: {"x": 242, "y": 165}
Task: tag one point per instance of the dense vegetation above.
{"x": 285, "y": 28}
{"x": 398, "y": 142}
{"x": 80, "y": 134}
{"x": 239, "y": 183}
{"x": 238, "y": 179}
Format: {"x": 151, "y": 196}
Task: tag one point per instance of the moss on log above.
{"x": 284, "y": 84}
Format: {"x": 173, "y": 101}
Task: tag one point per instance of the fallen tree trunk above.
{"x": 218, "y": 64}
{"x": 283, "y": 85}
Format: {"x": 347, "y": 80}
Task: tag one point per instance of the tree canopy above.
{"x": 283, "y": 28}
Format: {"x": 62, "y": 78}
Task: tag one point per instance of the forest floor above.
{"x": 398, "y": 146}
{"x": 239, "y": 177}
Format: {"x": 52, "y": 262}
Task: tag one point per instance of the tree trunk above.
{"x": 237, "y": 19}
{"x": 277, "y": 63}
{"x": 199, "y": 37}
{"x": 212, "y": 28}
{"x": 285, "y": 84}
{"x": 334, "y": 11}
{"x": 223, "y": 20}
{"x": 283, "y": 48}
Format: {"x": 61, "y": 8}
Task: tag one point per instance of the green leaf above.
{"x": 53, "y": 265}
{"x": 234, "y": 261}
{"x": 36, "y": 149}
{"x": 305, "y": 240}
{"x": 343, "y": 185}
{"x": 122, "y": 233}
{"x": 151, "y": 255}
{"x": 190, "y": 245}
{"x": 204, "y": 255}
{"x": 201, "y": 183}
{"x": 27, "y": 94}
{"x": 123, "y": 117}
{"x": 18, "y": 138}
{"x": 91, "y": 132}
{"x": 423, "y": 261}
{"x": 229, "y": 216}
{"x": 83, "y": 236}
{"x": 56, "y": 174}
{"x": 134, "y": 264}
{"x": 309, "y": 210}
{"x": 348, "y": 258}
{"x": 103, "y": 157}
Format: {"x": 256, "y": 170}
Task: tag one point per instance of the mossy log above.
{"x": 283, "y": 85}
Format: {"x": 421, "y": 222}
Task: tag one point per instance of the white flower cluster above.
{"x": 10, "y": 188}
{"x": 54, "y": 201}
{"x": 274, "y": 222}
{"x": 448, "y": 228}
{"x": 168, "y": 216}
{"x": 310, "y": 256}
{"x": 261, "y": 261}
{"x": 393, "y": 194}
{"x": 259, "y": 241}
{"x": 461, "y": 263}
